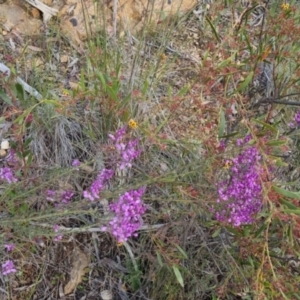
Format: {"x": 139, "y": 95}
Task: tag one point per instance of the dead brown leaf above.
{"x": 80, "y": 263}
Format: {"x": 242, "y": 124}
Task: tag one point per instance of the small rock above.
{"x": 5, "y": 145}
{"x": 106, "y": 295}
{"x": 35, "y": 13}
{"x": 73, "y": 85}
{"x": 64, "y": 58}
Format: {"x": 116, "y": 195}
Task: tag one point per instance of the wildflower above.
{"x": 118, "y": 135}
{"x": 50, "y": 195}
{"x": 8, "y": 267}
{"x": 98, "y": 185}
{"x": 228, "y": 164}
{"x": 9, "y": 247}
{"x": 6, "y": 173}
{"x": 285, "y": 6}
{"x": 297, "y": 118}
{"x": 132, "y": 124}
{"x": 240, "y": 197}
{"x": 55, "y": 228}
{"x": 222, "y": 145}
{"x": 128, "y": 150}
{"x": 66, "y": 196}
{"x": 76, "y": 163}
{"x": 59, "y": 236}
{"x": 128, "y": 210}
{"x": 11, "y": 156}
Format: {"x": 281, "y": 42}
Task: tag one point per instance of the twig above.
{"x": 3, "y": 291}
{"x": 30, "y": 90}
{"x": 273, "y": 100}
{"x": 47, "y": 11}
{"x": 91, "y": 229}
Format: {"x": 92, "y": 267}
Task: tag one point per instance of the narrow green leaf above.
{"x": 246, "y": 82}
{"x": 222, "y": 122}
{"x": 183, "y": 91}
{"x": 181, "y": 251}
{"x": 102, "y": 80}
{"x": 268, "y": 126}
{"x": 178, "y": 275}
{"x": 260, "y": 230}
{"x": 20, "y": 92}
{"x": 213, "y": 29}
{"x": 292, "y": 211}
{"x": 250, "y": 48}
{"x": 5, "y": 98}
{"x": 276, "y": 143}
{"x": 228, "y": 135}
{"x": 161, "y": 125}
{"x": 159, "y": 258}
{"x": 216, "y": 233}
{"x": 225, "y": 62}
{"x": 145, "y": 87}
{"x": 294, "y": 195}
{"x": 288, "y": 204}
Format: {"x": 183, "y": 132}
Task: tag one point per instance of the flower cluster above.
{"x": 98, "y": 185}
{"x": 7, "y": 174}
{"x": 128, "y": 150}
{"x": 9, "y": 247}
{"x": 285, "y": 6}
{"x": 11, "y": 157}
{"x": 58, "y": 237}
{"x": 76, "y": 163}
{"x": 64, "y": 197}
{"x": 296, "y": 122}
{"x": 297, "y": 118}
{"x": 240, "y": 196}
{"x": 128, "y": 210}
{"x": 8, "y": 267}
{"x": 132, "y": 124}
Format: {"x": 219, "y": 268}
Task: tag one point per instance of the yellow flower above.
{"x": 285, "y": 6}
{"x": 228, "y": 164}
{"x": 132, "y": 124}
{"x": 65, "y": 93}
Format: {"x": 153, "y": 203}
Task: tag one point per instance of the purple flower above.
{"x": 9, "y": 247}
{"x": 297, "y": 118}
{"x": 6, "y": 173}
{"x": 8, "y": 267}
{"x": 66, "y": 196}
{"x": 128, "y": 210}
{"x": 50, "y": 195}
{"x": 128, "y": 150}
{"x": 98, "y": 185}
{"x": 59, "y": 236}
{"x": 76, "y": 163}
{"x": 245, "y": 140}
{"x": 119, "y": 134}
{"x": 240, "y": 197}
{"x": 11, "y": 156}
{"x": 292, "y": 125}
